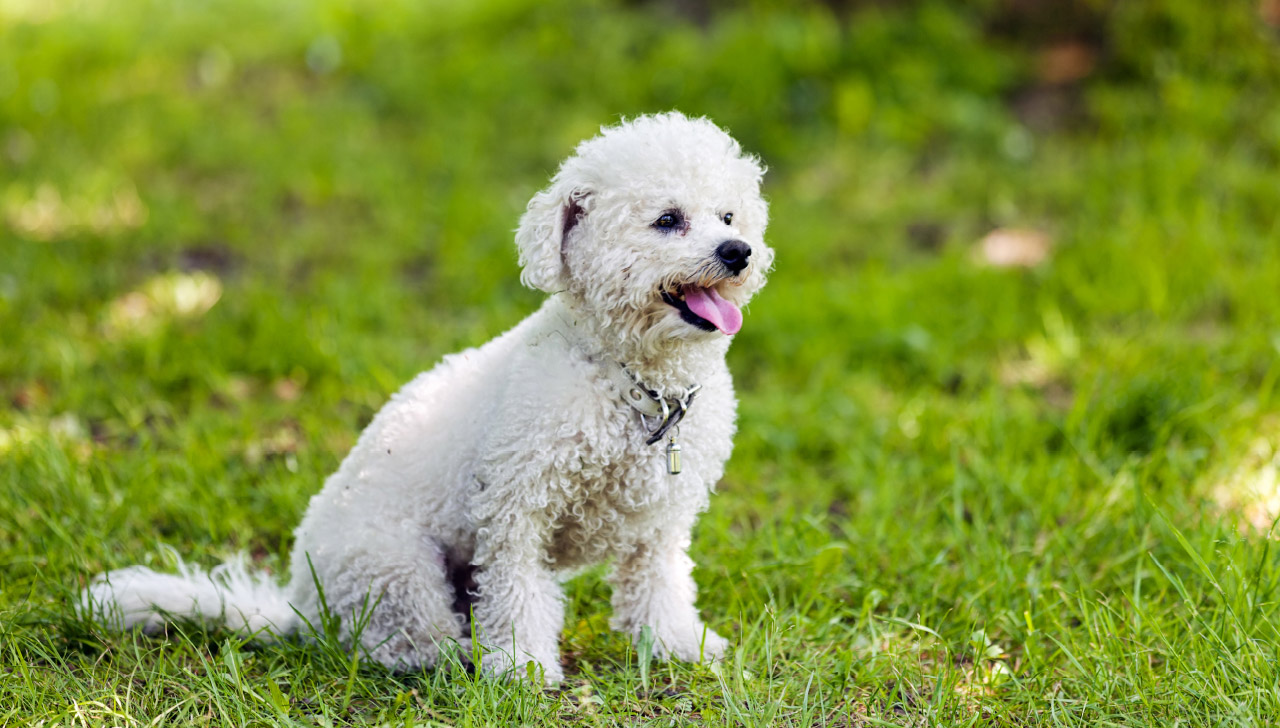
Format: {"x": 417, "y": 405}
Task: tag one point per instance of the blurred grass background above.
{"x": 965, "y": 491}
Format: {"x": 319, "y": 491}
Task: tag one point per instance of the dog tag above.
{"x": 673, "y": 456}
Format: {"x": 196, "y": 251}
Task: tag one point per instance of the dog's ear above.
{"x": 544, "y": 230}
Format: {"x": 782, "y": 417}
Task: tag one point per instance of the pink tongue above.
{"x": 709, "y": 305}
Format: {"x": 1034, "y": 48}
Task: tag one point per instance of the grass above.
{"x": 960, "y": 495}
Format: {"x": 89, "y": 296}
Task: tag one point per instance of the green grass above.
{"x": 960, "y": 495}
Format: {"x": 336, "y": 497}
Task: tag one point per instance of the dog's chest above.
{"x": 611, "y": 506}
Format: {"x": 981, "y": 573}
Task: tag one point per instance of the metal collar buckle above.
{"x": 666, "y": 411}
{"x": 671, "y": 415}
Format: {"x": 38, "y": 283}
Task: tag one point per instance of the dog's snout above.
{"x": 734, "y": 254}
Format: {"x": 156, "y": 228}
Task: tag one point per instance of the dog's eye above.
{"x": 728, "y": 218}
{"x": 667, "y": 220}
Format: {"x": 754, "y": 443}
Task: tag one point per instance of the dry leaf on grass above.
{"x": 1065, "y": 62}
{"x": 1269, "y": 12}
{"x": 1015, "y": 248}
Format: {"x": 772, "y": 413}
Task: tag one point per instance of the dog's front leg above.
{"x": 520, "y": 608}
{"x": 653, "y": 587}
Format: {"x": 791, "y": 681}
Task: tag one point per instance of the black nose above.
{"x": 734, "y": 254}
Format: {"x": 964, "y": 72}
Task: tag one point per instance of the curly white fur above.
{"x": 508, "y": 467}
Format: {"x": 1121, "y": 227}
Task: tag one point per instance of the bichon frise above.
{"x": 593, "y": 430}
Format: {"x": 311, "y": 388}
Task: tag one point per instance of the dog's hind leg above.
{"x": 396, "y": 599}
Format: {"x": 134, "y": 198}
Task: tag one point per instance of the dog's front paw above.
{"x": 713, "y": 646}
{"x": 701, "y": 645}
{"x": 502, "y": 663}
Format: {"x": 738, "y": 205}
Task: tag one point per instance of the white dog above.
{"x": 593, "y": 430}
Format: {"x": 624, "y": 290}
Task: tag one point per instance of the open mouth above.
{"x": 705, "y": 309}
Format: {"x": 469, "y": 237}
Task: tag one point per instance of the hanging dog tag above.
{"x": 673, "y": 456}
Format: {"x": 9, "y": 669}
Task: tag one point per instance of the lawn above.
{"x": 962, "y": 493}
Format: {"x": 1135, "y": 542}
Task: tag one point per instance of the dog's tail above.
{"x": 227, "y": 595}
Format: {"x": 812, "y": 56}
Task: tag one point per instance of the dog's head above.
{"x": 656, "y": 226}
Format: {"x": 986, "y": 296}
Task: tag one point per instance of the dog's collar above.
{"x": 667, "y": 411}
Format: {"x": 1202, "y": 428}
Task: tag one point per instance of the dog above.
{"x": 593, "y": 430}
